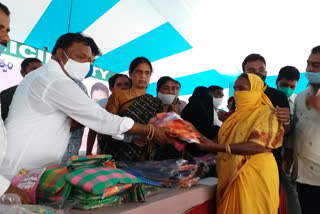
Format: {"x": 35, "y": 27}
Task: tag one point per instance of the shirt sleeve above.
{"x": 66, "y": 96}
{"x": 4, "y": 185}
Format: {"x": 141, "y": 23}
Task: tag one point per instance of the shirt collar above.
{"x": 292, "y": 98}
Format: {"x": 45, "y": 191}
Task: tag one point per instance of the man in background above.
{"x": 27, "y": 65}
{"x": 286, "y": 82}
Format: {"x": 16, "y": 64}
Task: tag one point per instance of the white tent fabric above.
{"x": 198, "y": 42}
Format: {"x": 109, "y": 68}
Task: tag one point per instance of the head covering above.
{"x": 199, "y": 111}
{"x": 201, "y": 94}
{"x": 254, "y": 98}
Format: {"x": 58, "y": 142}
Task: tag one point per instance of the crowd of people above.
{"x": 265, "y": 143}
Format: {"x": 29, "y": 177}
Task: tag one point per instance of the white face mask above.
{"x": 76, "y": 70}
{"x": 166, "y": 98}
{"x": 217, "y": 102}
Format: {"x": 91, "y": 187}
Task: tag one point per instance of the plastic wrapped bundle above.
{"x": 183, "y": 133}
{"x": 167, "y": 172}
{"x": 28, "y": 180}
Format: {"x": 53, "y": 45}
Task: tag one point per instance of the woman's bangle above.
{"x": 228, "y": 149}
{"x": 151, "y": 132}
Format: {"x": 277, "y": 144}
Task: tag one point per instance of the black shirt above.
{"x": 6, "y": 99}
{"x": 278, "y": 98}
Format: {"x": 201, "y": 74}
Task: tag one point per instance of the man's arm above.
{"x": 66, "y": 96}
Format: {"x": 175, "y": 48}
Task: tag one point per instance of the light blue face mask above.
{"x": 313, "y": 77}
{"x": 2, "y": 48}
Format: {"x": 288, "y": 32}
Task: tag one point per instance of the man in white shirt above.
{"x": 5, "y": 186}
{"x": 38, "y": 124}
{"x": 286, "y": 82}
{"x": 306, "y": 137}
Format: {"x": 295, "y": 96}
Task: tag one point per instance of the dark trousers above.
{"x": 309, "y": 198}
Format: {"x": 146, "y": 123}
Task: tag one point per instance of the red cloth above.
{"x": 283, "y": 209}
{"x": 204, "y": 208}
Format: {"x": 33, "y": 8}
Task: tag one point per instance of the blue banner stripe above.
{"x": 52, "y": 24}
{"x": 157, "y": 44}
{"x": 84, "y": 13}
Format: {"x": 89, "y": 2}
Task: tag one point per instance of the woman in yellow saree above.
{"x": 248, "y": 180}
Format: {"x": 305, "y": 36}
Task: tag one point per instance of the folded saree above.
{"x": 97, "y": 180}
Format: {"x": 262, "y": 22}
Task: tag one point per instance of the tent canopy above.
{"x": 198, "y": 42}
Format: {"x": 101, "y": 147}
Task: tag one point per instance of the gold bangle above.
{"x": 228, "y": 149}
{"x": 151, "y": 132}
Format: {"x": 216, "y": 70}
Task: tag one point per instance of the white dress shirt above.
{"x": 288, "y": 139}
{"x": 216, "y": 120}
{"x": 4, "y": 183}
{"x": 38, "y": 124}
{"x": 307, "y": 140}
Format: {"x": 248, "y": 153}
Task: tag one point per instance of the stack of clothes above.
{"x": 89, "y": 182}
{"x": 167, "y": 173}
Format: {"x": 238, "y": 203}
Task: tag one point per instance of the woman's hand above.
{"x": 163, "y": 135}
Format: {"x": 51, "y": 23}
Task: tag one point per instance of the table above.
{"x": 167, "y": 201}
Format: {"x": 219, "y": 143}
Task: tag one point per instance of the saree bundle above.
{"x": 87, "y": 183}
{"x": 167, "y": 173}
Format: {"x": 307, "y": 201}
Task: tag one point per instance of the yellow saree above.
{"x": 249, "y": 183}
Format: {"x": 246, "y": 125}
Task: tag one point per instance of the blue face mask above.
{"x": 90, "y": 72}
{"x": 2, "y": 48}
{"x": 313, "y": 77}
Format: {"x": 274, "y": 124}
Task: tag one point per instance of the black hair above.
{"x": 201, "y": 94}
{"x": 231, "y": 99}
{"x": 66, "y": 40}
{"x": 163, "y": 81}
{"x": 214, "y": 88}
{"x": 177, "y": 82}
{"x": 99, "y": 86}
{"x": 138, "y": 61}
{"x": 315, "y": 50}
{"x": 94, "y": 47}
{"x": 289, "y": 73}
{"x": 5, "y": 9}
{"x": 251, "y": 58}
{"x": 27, "y": 61}
{"x": 112, "y": 80}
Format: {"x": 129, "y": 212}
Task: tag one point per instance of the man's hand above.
{"x": 286, "y": 163}
{"x": 24, "y": 196}
{"x": 313, "y": 101}
{"x": 283, "y": 115}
